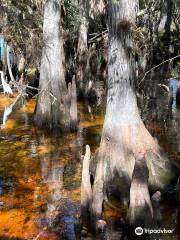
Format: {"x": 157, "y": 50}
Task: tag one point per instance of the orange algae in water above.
{"x": 45, "y": 174}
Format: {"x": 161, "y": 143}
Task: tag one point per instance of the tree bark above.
{"x": 52, "y": 108}
{"x": 167, "y": 9}
{"x": 73, "y": 105}
{"x": 82, "y": 50}
{"x": 124, "y": 135}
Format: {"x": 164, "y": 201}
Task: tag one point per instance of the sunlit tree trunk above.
{"x": 82, "y": 50}
{"x": 124, "y": 136}
{"x": 52, "y": 108}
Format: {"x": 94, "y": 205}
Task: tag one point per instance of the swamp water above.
{"x": 40, "y": 175}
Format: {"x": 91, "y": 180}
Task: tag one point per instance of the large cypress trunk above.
{"x": 52, "y": 108}
{"x": 124, "y": 136}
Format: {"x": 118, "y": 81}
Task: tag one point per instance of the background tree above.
{"x": 53, "y": 107}
{"x": 82, "y": 49}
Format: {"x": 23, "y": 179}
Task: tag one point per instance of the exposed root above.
{"x": 130, "y": 160}
{"x": 86, "y": 191}
{"x": 140, "y": 209}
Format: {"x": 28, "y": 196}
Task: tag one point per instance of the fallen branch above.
{"x": 152, "y": 69}
{"x": 98, "y": 36}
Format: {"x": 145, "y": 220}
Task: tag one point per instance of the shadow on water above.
{"x": 40, "y": 175}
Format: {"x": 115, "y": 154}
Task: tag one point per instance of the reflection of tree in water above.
{"x": 61, "y": 210}
{"x": 52, "y": 174}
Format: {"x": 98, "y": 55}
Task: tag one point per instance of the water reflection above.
{"x": 52, "y": 174}
{"x": 40, "y": 176}
{"x": 17, "y": 104}
{"x": 7, "y": 112}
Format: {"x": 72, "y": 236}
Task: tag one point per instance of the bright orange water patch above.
{"x": 12, "y": 224}
{"x": 114, "y": 210}
{"x": 10, "y": 124}
{"x": 6, "y": 101}
{"x": 30, "y": 106}
{"x": 90, "y": 119}
{"x": 38, "y": 173}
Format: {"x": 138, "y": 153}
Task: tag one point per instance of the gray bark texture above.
{"x": 124, "y": 136}
{"x": 166, "y": 22}
{"x": 52, "y": 108}
{"x": 73, "y": 105}
{"x": 82, "y": 49}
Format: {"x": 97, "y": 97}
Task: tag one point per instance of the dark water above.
{"x": 40, "y": 175}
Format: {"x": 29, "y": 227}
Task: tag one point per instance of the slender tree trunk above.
{"x": 73, "y": 105}
{"x": 170, "y": 11}
{"x": 82, "y": 50}
{"x": 167, "y": 9}
{"x": 52, "y": 108}
{"x": 124, "y": 136}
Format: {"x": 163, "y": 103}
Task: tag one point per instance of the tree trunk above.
{"x": 167, "y": 9}
{"x": 73, "y": 105}
{"x": 52, "y": 108}
{"x": 124, "y": 135}
{"x": 82, "y": 50}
